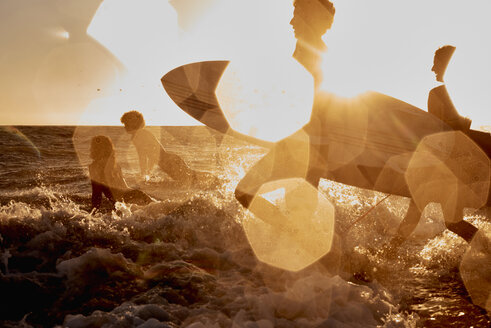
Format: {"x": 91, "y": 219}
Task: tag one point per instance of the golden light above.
{"x": 268, "y": 100}
{"x": 475, "y": 269}
{"x": 450, "y": 169}
{"x": 388, "y": 46}
{"x": 237, "y": 29}
{"x": 382, "y": 46}
{"x": 69, "y": 76}
{"x": 263, "y": 84}
{"x": 125, "y": 150}
{"x": 143, "y": 35}
{"x": 298, "y": 232}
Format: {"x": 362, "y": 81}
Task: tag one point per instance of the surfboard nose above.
{"x": 192, "y": 87}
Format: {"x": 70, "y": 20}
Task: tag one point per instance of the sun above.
{"x": 388, "y": 46}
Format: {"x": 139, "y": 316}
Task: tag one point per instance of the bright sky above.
{"x": 88, "y": 61}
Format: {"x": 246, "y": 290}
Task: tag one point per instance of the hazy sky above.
{"x": 88, "y": 61}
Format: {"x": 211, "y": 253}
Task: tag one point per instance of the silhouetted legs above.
{"x": 260, "y": 174}
{"x": 457, "y": 225}
{"x": 254, "y": 179}
{"x": 453, "y": 221}
{"x": 408, "y": 224}
{"x": 314, "y": 176}
{"x": 289, "y": 158}
{"x": 175, "y": 166}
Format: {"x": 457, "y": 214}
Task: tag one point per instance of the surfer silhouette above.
{"x": 311, "y": 20}
{"x": 293, "y": 156}
{"x": 107, "y": 178}
{"x": 440, "y": 105}
{"x": 439, "y": 102}
{"x": 151, "y": 153}
{"x": 345, "y": 139}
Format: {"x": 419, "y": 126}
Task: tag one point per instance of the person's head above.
{"x": 101, "y": 148}
{"x": 311, "y": 19}
{"x": 441, "y": 60}
{"x": 133, "y": 120}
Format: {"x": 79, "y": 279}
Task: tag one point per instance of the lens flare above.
{"x": 298, "y": 232}
{"x": 450, "y": 169}
{"x": 21, "y": 136}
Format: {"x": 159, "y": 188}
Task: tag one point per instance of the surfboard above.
{"x": 372, "y": 141}
{"x": 366, "y": 141}
{"x": 192, "y": 87}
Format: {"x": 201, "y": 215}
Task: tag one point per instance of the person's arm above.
{"x": 143, "y": 161}
{"x": 119, "y": 181}
{"x": 147, "y": 148}
{"x": 440, "y": 105}
{"x": 142, "y": 156}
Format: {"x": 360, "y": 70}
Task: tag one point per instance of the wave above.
{"x": 171, "y": 263}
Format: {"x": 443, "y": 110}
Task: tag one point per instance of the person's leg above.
{"x": 289, "y": 158}
{"x": 136, "y": 196}
{"x": 463, "y": 229}
{"x": 407, "y": 225}
{"x": 178, "y": 170}
{"x": 318, "y": 153}
{"x": 175, "y": 166}
{"x": 98, "y": 190}
{"x": 454, "y": 222}
{"x": 259, "y": 174}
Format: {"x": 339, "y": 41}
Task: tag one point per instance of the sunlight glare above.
{"x": 388, "y": 47}
{"x": 269, "y": 101}
{"x": 144, "y": 36}
{"x": 264, "y": 92}
{"x": 298, "y": 232}
{"x": 368, "y": 49}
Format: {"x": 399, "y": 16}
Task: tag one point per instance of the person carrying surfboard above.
{"x": 311, "y": 19}
{"x": 441, "y": 106}
{"x": 347, "y": 141}
{"x": 371, "y": 141}
{"x": 151, "y": 152}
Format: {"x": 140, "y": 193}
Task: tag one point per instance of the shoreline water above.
{"x": 185, "y": 261}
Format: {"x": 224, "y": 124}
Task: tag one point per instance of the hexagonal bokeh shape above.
{"x": 475, "y": 269}
{"x": 450, "y": 169}
{"x": 294, "y": 226}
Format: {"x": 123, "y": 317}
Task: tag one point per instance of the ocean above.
{"x": 185, "y": 260}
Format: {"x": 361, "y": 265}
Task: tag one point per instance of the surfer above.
{"x": 311, "y": 19}
{"x": 305, "y": 153}
{"x": 107, "y": 178}
{"x": 439, "y": 102}
{"x": 441, "y": 106}
{"x": 151, "y": 153}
